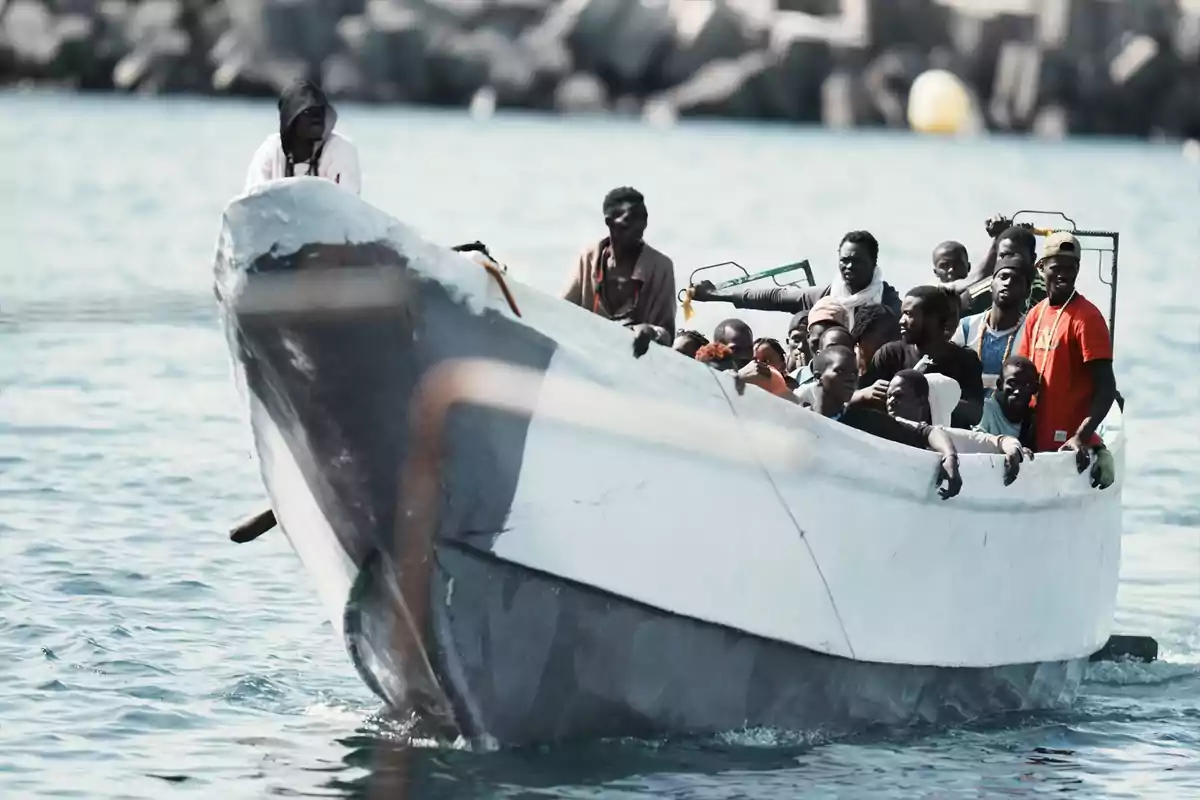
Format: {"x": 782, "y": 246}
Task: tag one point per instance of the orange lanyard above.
{"x": 1053, "y": 329}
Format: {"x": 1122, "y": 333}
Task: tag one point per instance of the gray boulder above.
{"x": 889, "y": 79}
{"x": 462, "y": 63}
{"x": 1014, "y": 99}
{"x": 581, "y": 93}
{"x": 29, "y": 38}
{"x": 304, "y": 30}
{"x": 391, "y": 43}
{"x": 707, "y": 31}
{"x": 512, "y": 17}
{"x": 845, "y": 102}
{"x": 801, "y": 50}
{"x": 735, "y": 88}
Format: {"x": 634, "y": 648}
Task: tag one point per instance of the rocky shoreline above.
{"x": 1048, "y": 67}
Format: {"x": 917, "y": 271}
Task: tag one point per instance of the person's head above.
{"x": 1017, "y": 241}
{"x": 858, "y": 254}
{"x": 797, "y": 339}
{"x": 770, "y": 352}
{"x": 1010, "y": 282}
{"x": 305, "y": 116}
{"x": 625, "y": 215}
{"x": 950, "y": 262}
{"x": 908, "y": 396}
{"x": 836, "y": 336}
{"x": 716, "y": 355}
{"x": 688, "y": 342}
{"x": 874, "y": 326}
{"x": 737, "y": 336}
{"x": 1060, "y": 266}
{"x": 826, "y": 313}
{"x": 1017, "y": 385}
{"x": 836, "y": 370}
{"x": 927, "y": 315}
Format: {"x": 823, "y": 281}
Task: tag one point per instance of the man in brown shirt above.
{"x": 624, "y": 279}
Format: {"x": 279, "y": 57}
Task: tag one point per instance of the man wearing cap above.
{"x": 1067, "y": 339}
{"x": 624, "y": 279}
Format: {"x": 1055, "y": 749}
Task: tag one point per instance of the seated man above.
{"x": 837, "y": 373}
{"x": 874, "y": 326}
{"x": 908, "y": 402}
{"x": 859, "y": 282}
{"x": 825, "y": 314}
{"x": 733, "y": 349}
{"x": 1067, "y": 339}
{"x": 624, "y": 279}
{"x": 798, "y": 353}
{"x": 1008, "y": 411}
{"x": 924, "y": 325}
{"x": 306, "y": 137}
{"x": 908, "y": 396}
{"x": 833, "y": 336}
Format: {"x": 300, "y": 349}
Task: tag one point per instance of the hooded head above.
{"x": 306, "y": 120}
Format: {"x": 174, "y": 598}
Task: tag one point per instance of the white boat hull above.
{"x": 621, "y": 546}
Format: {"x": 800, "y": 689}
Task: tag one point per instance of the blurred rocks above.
{"x": 1047, "y": 67}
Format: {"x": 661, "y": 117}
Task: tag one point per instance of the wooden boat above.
{"x": 527, "y": 535}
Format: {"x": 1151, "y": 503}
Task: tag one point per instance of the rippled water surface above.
{"x": 145, "y": 656}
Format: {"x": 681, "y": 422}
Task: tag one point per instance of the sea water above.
{"x": 143, "y": 655}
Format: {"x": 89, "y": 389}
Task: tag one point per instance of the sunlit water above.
{"x": 145, "y": 656}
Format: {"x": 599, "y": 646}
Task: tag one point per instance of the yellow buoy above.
{"x": 939, "y": 103}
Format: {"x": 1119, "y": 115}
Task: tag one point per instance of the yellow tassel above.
{"x": 688, "y": 311}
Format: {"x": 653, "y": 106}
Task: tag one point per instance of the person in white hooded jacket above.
{"x": 306, "y": 143}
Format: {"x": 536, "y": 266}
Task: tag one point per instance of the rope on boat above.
{"x": 498, "y": 276}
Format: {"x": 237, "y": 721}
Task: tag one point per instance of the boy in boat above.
{"x": 306, "y": 143}
{"x": 624, "y": 279}
{"x": 925, "y": 346}
{"x": 798, "y": 353}
{"x": 837, "y": 376}
{"x": 688, "y": 343}
{"x": 826, "y": 313}
{"x": 951, "y": 262}
{"x": 1067, "y": 339}
{"x": 859, "y": 282}
{"x": 993, "y": 335}
{"x": 834, "y": 336}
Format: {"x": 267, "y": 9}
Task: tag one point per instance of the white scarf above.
{"x": 872, "y": 294}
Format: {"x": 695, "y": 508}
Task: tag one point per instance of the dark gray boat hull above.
{"x": 527, "y": 657}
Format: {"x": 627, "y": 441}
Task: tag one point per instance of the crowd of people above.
{"x": 1030, "y": 372}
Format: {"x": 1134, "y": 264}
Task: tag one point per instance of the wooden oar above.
{"x": 685, "y": 296}
{"x": 253, "y": 527}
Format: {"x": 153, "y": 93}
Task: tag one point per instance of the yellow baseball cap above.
{"x": 1061, "y": 244}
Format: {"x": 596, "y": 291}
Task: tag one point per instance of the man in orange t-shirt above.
{"x": 1067, "y": 340}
